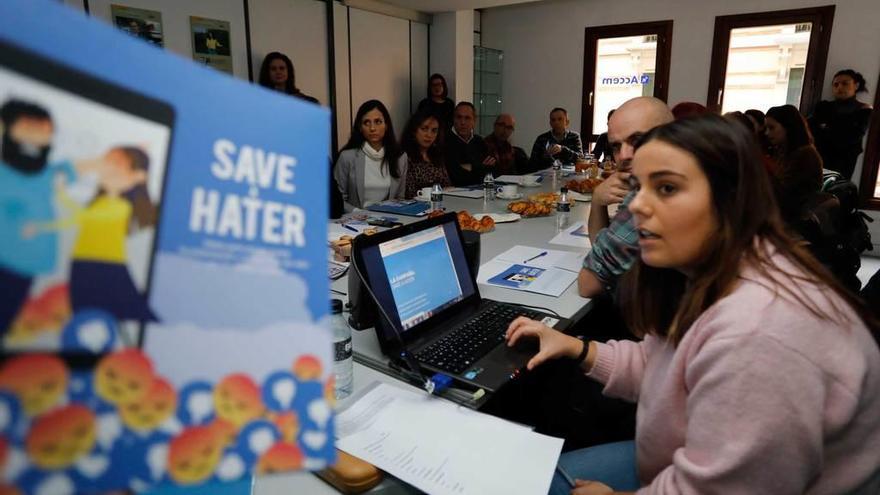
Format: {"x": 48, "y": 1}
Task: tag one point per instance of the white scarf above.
{"x": 376, "y": 156}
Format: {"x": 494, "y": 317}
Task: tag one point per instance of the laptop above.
{"x": 422, "y": 280}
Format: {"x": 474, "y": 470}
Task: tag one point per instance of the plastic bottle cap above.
{"x": 564, "y": 190}
{"x": 335, "y": 306}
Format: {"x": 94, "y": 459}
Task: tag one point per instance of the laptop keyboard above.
{"x": 473, "y": 339}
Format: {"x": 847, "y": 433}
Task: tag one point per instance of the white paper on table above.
{"x": 568, "y": 238}
{"x": 514, "y": 179}
{"x": 464, "y": 192}
{"x": 526, "y": 255}
{"x": 441, "y": 448}
{"x": 551, "y": 282}
{"x": 572, "y": 261}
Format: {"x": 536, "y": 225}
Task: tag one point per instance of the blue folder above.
{"x": 409, "y": 207}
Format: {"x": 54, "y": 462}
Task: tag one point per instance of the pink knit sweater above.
{"x": 760, "y": 396}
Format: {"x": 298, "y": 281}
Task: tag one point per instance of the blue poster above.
{"x": 163, "y": 288}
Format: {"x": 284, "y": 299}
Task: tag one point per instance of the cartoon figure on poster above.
{"x": 32, "y": 192}
{"x": 74, "y": 202}
{"x": 106, "y": 309}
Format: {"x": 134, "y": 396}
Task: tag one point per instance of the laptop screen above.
{"x": 419, "y": 275}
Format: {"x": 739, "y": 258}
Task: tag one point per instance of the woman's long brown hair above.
{"x": 663, "y": 301}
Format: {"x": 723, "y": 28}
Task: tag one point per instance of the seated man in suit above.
{"x": 466, "y": 154}
{"x": 558, "y": 143}
{"x": 509, "y": 159}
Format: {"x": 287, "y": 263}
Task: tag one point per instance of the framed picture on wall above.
{"x": 210, "y": 43}
{"x": 140, "y": 23}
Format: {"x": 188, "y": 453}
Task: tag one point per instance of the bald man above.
{"x": 615, "y": 240}
{"x": 509, "y": 159}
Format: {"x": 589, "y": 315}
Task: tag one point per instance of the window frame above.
{"x": 822, "y": 19}
{"x": 592, "y": 35}
{"x": 871, "y": 159}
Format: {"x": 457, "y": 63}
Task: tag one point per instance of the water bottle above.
{"x": 343, "y": 372}
{"x": 436, "y": 197}
{"x": 489, "y": 187}
{"x": 563, "y": 210}
{"x": 556, "y": 172}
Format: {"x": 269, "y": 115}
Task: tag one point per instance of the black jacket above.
{"x": 458, "y": 152}
{"x": 571, "y": 146}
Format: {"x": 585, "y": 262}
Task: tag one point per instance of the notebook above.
{"x": 409, "y": 207}
{"x": 421, "y": 278}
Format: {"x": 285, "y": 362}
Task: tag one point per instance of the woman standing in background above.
{"x": 840, "y": 125}
{"x": 438, "y": 101}
{"x": 277, "y": 73}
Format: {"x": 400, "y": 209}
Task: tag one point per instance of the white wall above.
{"x": 175, "y": 23}
{"x": 543, "y": 48}
{"x": 452, "y": 52}
{"x": 297, "y": 28}
{"x": 380, "y": 63}
{"x": 386, "y": 64}
{"x": 443, "y": 48}
{"x": 419, "y": 62}
{"x": 343, "y": 85}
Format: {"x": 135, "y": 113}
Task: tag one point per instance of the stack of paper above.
{"x": 442, "y": 448}
{"x": 543, "y": 271}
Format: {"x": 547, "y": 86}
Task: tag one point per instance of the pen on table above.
{"x": 542, "y": 253}
{"x": 349, "y": 227}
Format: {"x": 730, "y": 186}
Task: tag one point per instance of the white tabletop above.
{"x": 535, "y": 232}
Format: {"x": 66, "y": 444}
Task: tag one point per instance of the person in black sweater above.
{"x": 467, "y": 155}
{"x": 277, "y": 73}
{"x": 437, "y": 101}
{"x": 839, "y": 126}
{"x": 557, "y": 143}
{"x": 602, "y": 151}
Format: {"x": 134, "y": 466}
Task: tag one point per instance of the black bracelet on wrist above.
{"x": 583, "y": 355}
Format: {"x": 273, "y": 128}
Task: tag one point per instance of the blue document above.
{"x": 408, "y": 207}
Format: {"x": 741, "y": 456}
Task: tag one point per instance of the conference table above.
{"x": 370, "y": 365}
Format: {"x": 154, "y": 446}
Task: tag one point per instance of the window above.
{"x": 487, "y": 87}
{"x": 869, "y": 187}
{"x": 767, "y": 59}
{"x": 622, "y": 62}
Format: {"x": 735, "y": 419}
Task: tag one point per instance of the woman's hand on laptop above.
{"x": 552, "y": 343}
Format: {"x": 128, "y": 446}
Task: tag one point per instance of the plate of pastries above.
{"x": 468, "y": 222}
{"x": 530, "y": 209}
{"x": 342, "y": 246}
{"x": 547, "y": 198}
{"x": 583, "y": 186}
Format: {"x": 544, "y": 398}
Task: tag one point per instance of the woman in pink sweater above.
{"x": 757, "y": 373}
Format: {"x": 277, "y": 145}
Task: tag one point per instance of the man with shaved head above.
{"x": 615, "y": 240}
{"x": 509, "y": 159}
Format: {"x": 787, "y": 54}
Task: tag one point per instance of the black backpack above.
{"x": 852, "y": 224}
{"x": 836, "y": 231}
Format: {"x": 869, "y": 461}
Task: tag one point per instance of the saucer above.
{"x": 514, "y": 196}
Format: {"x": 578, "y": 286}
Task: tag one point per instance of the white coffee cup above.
{"x": 424, "y": 193}
{"x": 530, "y": 180}
{"x": 507, "y": 190}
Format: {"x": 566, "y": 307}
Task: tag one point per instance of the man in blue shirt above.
{"x": 26, "y": 197}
